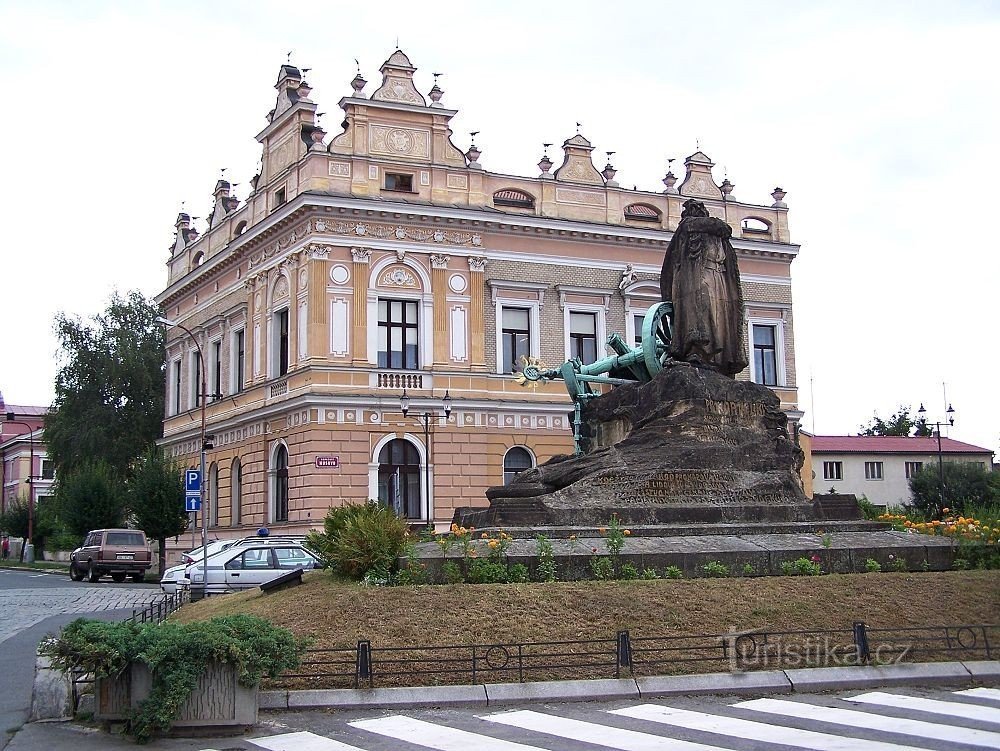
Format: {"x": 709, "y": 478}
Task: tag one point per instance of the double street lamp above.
{"x": 404, "y": 407}
{"x": 205, "y": 445}
{"x": 29, "y": 547}
{"x": 950, "y": 420}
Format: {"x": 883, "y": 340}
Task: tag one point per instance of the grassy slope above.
{"x": 336, "y": 614}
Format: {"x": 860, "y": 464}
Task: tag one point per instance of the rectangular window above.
{"x": 912, "y": 468}
{"x": 873, "y": 470}
{"x": 398, "y": 335}
{"x": 583, "y": 336}
{"x": 48, "y": 469}
{"x": 765, "y": 355}
{"x": 281, "y": 342}
{"x": 833, "y": 470}
{"x": 175, "y": 401}
{"x": 196, "y": 381}
{"x": 637, "y": 319}
{"x": 217, "y": 370}
{"x": 238, "y": 355}
{"x": 400, "y": 183}
{"x": 515, "y": 334}
{"x": 279, "y": 197}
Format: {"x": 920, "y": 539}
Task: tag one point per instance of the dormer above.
{"x": 577, "y": 166}
{"x": 698, "y": 181}
{"x": 293, "y": 115}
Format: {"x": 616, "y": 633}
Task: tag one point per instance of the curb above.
{"x": 800, "y": 680}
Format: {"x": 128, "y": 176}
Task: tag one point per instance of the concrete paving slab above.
{"x": 755, "y": 682}
{"x": 867, "y": 676}
{"x": 272, "y": 699}
{"x": 609, "y": 688}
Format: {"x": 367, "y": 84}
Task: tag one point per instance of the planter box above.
{"x": 217, "y": 701}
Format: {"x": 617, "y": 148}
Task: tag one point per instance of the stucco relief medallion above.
{"x": 339, "y": 274}
{"x": 477, "y": 240}
{"x": 400, "y": 233}
{"x": 438, "y": 236}
{"x": 399, "y": 140}
{"x": 360, "y": 229}
{"x": 373, "y": 417}
{"x": 469, "y": 419}
{"x": 508, "y": 421}
{"x": 302, "y": 278}
{"x": 349, "y": 416}
{"x": 331, "y": 415}
{"x": 281, "y": 288}
{"x": 457, "y": 283}
{"x": 493, "y": 420}
{"x": 320, "y": 225}
{"x": 398, "y": 278}
{"x": 256, "y": 301}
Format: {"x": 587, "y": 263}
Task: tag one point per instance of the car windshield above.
{"x": 126, "y": 539}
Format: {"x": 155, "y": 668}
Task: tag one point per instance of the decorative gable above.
{"x": 577, "y": 166}
{"x": 397, "y": 81}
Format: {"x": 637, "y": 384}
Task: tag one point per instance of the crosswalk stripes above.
{"x": 943, "y": 722}
{"x": 856, "y": 719}
{"x": 990, "y": 694}
{"x": 933, "y": 706}
{"x": 756, "y": 731}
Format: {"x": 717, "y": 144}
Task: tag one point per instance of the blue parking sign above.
{"x": 192, "y": 481}
{"x": 192, "y": 503}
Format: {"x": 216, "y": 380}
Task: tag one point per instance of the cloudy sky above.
{"x": 879, "y": 119}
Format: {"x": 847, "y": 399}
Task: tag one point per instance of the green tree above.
{"x": 14, "y": 520}
{"x": 900, "y": 423}
{"x": 91, "y": 496}
{"x": 964, "y": 484}
{"x": 156, "y": 499}
{"x": 109, "y": 387}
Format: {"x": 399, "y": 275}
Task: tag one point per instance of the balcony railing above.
{"x": 280, "y": 388}
{"x": 394, "y": 380}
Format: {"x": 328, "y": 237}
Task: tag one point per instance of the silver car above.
{"x": 173, "y": 577}
{"x": 248, "y": 565}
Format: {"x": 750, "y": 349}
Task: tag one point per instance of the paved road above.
{"x": 34, "y": 604}
{"x": 898, "y": 720}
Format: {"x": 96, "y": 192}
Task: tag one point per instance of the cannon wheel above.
{"x": 656, "y": 334}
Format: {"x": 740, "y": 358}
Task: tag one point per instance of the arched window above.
{"x": 753, "y": 224}
{"x": 281, "y": 484}
{"x": 517, "y": 199}
{"x": 198, "y": 259}
{"x": 515, "y": 462}
{"x": 399, "y": 478}
{"x": 641, "y": 212}
{"x": 235, "y": 492}
{"x": 213, "y": 495}
{"x": 241, "y": 228}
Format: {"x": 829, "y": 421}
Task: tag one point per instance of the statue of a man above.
{"x": 701, "y": 277}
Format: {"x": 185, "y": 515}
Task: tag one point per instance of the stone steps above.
{"x": 687, "y": 529}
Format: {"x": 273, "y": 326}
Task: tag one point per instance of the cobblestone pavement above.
{"x": 22, "y": 608}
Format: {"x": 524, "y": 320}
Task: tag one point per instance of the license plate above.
{"x": 125, "y": 557}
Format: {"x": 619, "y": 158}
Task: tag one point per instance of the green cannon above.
{"x": 627, "y": 365}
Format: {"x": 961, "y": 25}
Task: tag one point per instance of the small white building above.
{"x": 880, "y": 467}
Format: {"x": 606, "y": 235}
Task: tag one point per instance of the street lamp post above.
{"x": 204, "y": 445}
{"x": 950, "y": 412}
{"x": 29, "y": 547}
{"x": 404, "y": 407}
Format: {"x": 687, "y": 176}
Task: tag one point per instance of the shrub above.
{"x": 748, "y": 569}
{"x": 359, "y": 539}
{"x": 177, "y": 655}
{"x": 518, "y": 574}
{"x": 868, "y": 509}
{"x": 673, "y": 572}
{"x": 546, "y": 568}
{"x": 872, "y": 566}
{"x": 715, "y": 569}
{"x": 897, "y": 564}
{"x": 487, "y": 571}
{"x": 451, "y": 572}
{"x": 802, "y": 567}
{"x": 650, "y": 573}
{"x": 602, "y": 568}
{"x": 629, "y": 571}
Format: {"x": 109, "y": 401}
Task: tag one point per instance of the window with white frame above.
{"x": 279, "y": 343}
{"x": 583, "y": 336}
{"x": 637, "y": 319}
{"x": 515, "y": 336}
{"x": 279, "y": 480}
{"x": 515, "y": 461}
{"x": 398, "y": 335}
{"x": 175, "y": 387}
{"x": 833, "y": 470}
{"x": 216, "y": 369}
{"x": 237, "y": 361}
{"x": 873, "y": 470}
{"x": 48, "y": 469}
{"x": 912, "y": 468}
{"x": 235, "y": 491}
{"x": 765, "y": 354}
{"x": 196, "y": 378}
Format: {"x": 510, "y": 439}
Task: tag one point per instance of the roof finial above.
{"x": 578, "y": 128}
{"x": 358, "y": 65}
{"x": 397, "y": 41}
{"x": 473, "y": 133}
{"x": 436, "y": 76}
{"x": 289, "y": 57}
{"x": 545, "y": 149}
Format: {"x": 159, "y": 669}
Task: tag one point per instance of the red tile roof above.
{"x": 889, "y": 444}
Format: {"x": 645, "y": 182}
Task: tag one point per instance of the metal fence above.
{"x": 625, "y": 655}
{"x": 157, "y": 611}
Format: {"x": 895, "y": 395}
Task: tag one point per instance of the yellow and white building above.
{"x": 386, "y": 259}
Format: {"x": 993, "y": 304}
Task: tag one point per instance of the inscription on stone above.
{"x": 705, "y": 486}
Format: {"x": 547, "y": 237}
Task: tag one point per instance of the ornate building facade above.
{"x": 385, "y": 259}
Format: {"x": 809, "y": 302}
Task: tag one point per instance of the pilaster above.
{"x": 477, "y": 333}
{"x": 439, "y": 287}
{"x": 359, "y": 340}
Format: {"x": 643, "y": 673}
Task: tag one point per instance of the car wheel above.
{"x": 138, "y": 578}
{"x": 93, "y": 575}
{"x": 74, "y": 573}
{"x": 118, "y": 576}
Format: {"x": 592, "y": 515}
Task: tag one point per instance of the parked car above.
{"x": 118, "y": 552}
{"x": 248, "y": 565}
{"x": 170, "y": 582}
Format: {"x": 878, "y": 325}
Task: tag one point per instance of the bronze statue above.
{"x": 700, "y": 276}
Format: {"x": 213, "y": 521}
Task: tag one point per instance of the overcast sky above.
{"x": 879, "y": 119}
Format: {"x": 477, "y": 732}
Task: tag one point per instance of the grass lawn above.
{"x": 338, "y": 614}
